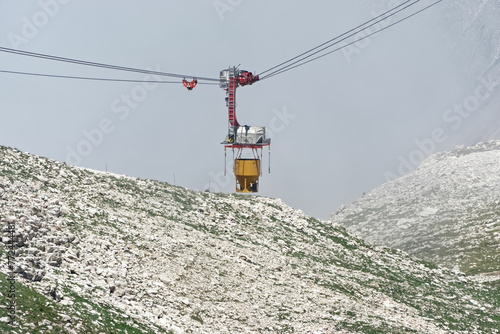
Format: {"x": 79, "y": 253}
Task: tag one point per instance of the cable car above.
{"x": 244, "y": 139}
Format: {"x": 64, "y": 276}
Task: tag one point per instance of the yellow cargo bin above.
{"x": 247, "y": 172}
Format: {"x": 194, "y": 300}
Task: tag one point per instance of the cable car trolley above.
{"x": 247, "y": 141}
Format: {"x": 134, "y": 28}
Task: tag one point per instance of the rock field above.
{"x": 107, "y": 253}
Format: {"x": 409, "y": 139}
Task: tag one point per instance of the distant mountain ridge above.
{"x": 98, "y": 252}
{"x": 447, "y": 211}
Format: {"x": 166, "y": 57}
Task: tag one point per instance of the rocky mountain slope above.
{"x": 102, "y": 253}
{"x": 447, "y": 211}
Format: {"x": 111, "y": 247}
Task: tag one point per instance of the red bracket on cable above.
{"x": 189, "y": 84}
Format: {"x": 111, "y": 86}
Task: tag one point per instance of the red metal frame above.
{"x": 189, "y": 84}
{"x": 242, "y": 78}
{"x": 247, "y": 146}
{"x": 231, "y": 101}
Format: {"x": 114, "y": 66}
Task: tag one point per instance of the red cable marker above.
{"x": 189, "y": 84}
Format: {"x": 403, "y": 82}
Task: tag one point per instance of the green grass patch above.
{"x": 37, "y": 313}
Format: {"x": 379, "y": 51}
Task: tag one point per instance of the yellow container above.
{"x": 247, "y": 172}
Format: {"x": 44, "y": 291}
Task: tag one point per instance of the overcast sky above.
{"x": 340, "y": 125}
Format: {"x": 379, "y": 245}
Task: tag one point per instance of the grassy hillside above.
{"x": 41, "y": 313}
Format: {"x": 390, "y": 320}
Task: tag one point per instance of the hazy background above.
{"x": 340, "y": 126}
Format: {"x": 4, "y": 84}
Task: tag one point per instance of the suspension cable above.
{"x": 303, "y": 60}
{"x": 355, "y": 29}
{"x": 101, "y": 65}
{"x": 97, "y": 79}
{"x": 287, "y": 65}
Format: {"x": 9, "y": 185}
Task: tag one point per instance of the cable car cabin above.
{"x": 247, "y": 172}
